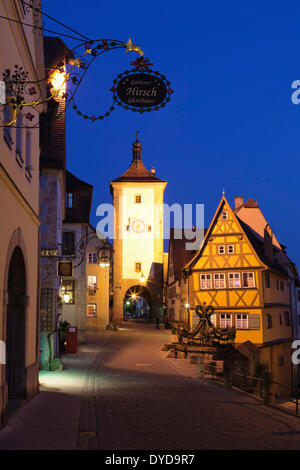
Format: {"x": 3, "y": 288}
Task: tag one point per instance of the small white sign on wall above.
{"x": 2, "y": 353}
{"x": 2, "y": 92}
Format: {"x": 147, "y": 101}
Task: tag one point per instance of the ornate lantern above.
{"x": 104, "y": 254}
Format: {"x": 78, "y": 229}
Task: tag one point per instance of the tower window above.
{"x": 138, "y": 267}
{"x": 138, "y": 199}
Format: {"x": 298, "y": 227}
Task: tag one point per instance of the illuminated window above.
{"x": 224, "y": 215}
{"x": 225, "y": 320}
{"x": 91, "y": 310}
{"x": 241, "y": 320}
{"x": 219, "y": 281}
{"x": 230, "y": 249}
{"x": 221, "y": 249}
{"x": 138, "y": 199}
{"x": 206, "y": 282}
{"x": 92, "y": 282}
{"x": 234, "y": 280}
{"x": 68, "y": 291}
{"x": 138, "y": 267}
{"x": 248, "y": 280}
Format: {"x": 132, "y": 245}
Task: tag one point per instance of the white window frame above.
{"x": 248, "y": 277}
{"x": 226, "y": 321}
{"x": 242, "y": 323}
{"x": 234, "y": 274}
{"x": 224, "y": 215}
{"x": 223, "y": 247}
{"x": 204, "y": 280}
{"x": 233, "y": 249}
{"x": 92, "y": 285}
{"x": 218, "y": 278}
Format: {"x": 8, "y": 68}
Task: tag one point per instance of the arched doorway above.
{"x": 137, "y": 303}
{"x": 16, "y": 326}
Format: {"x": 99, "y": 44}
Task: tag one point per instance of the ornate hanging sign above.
{"x": 141, "y": 89}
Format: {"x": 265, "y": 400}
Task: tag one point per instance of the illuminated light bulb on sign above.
{"x": 58, "y": 81}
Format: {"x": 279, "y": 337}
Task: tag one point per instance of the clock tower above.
{"x": 138, "y": 241}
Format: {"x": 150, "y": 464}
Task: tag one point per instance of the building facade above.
{"x": 236, "y": 272}
{"x": 52, "y": 206}
{"x": 76, "y": 233}
{"x": 98, "y": 285}
{"x": 177, "y": 283}
{"x": 138, "y": 241}
{"x": 19, "y": 237}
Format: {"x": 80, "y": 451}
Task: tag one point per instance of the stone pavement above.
{"x": 123, "y": 393}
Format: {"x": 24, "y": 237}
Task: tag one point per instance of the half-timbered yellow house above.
{"x": 235, "y": 272}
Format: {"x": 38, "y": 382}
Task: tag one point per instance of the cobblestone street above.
{"x": 122, "y": 393}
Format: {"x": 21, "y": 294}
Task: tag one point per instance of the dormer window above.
{"x": 69, "y": 200}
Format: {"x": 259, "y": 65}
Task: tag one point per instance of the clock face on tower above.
{"x": 138, "y": 225}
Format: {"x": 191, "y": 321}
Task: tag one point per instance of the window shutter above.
{"x": 254, "y": 321}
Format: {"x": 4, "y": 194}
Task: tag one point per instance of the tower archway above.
{"x": 137, "y": 303}
{"x": 16, "y": 326}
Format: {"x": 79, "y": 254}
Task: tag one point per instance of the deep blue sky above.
{"x": 230, "y": 123}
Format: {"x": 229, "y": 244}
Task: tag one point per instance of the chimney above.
{"x": 268, "y": 243}
{"x": 238, "y": 201}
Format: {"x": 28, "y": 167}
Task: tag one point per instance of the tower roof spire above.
{"x": 137, "y": 148}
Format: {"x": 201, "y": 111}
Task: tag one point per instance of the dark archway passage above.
{"x": 137, "y": 303}
{"x": 16, "y": 326}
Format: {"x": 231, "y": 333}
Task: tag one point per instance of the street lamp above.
{"x": 142, "y": 279}
{"x": 104, "y": 255}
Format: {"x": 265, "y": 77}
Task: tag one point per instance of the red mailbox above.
{"x": 71, "y": 340}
